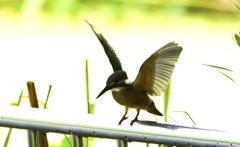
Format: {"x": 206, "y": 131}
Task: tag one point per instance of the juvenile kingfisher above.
{"x": 152, "y": 79}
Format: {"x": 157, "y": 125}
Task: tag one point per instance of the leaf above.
{"x": 237, "y": 39}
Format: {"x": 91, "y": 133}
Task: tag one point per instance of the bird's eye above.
{"x": 120, "y": 82}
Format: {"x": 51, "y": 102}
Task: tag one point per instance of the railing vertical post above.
{"x": 77, "y": 141}
{"x": 121, "y": 143}
{"x": 32, "y": 138}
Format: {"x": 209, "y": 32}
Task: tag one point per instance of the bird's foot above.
{"x": 123, "y": 118}
{"x": 134, "y": 120}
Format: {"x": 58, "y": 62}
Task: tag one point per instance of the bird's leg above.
{"x": 124, "y": 116}
{"x": 136, "y": 117}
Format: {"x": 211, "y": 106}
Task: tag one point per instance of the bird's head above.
{"x": 115, "y": 80}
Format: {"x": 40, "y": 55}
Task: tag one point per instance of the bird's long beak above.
{"x": 103, "y": 91}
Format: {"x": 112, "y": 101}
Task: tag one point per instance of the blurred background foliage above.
{"x": 47, "y": 41}
{"x": 118, "y": 10}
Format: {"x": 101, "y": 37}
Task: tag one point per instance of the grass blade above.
{"x": 229, "y": 78}
{"x": 220, "y": 70}
{"x": 8, "y": 137}
{"x": 10, "y": 129}
{"x": 46, "y": 102}
{"x": 166, "y": 101}
{"x": 87, "y": 88}
{"x": 218, "y": 67}
{"x": 189, "y": 116}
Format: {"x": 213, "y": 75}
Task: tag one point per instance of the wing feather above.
{"x": 112, "y": 56}
{"x": 155, "y": 73}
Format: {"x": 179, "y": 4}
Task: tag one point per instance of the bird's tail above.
{"x": 152, "y": 109}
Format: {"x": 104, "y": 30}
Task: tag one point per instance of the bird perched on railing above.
{"x": 153, "y": 78}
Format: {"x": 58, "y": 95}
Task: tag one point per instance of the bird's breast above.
{"x": 126, "y": 96}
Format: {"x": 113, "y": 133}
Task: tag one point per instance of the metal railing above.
{"x": 91, "y": 126}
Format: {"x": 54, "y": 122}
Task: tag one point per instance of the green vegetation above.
{"x": 117, "y": 10}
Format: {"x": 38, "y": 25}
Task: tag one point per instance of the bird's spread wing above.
{"x": 112, "y": 56}
{"x": 156, "y": 71}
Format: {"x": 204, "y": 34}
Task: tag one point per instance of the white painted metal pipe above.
{"x": 89, "y": 125}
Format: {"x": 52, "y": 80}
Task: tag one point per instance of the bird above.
{"x": 153, "y": 78}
